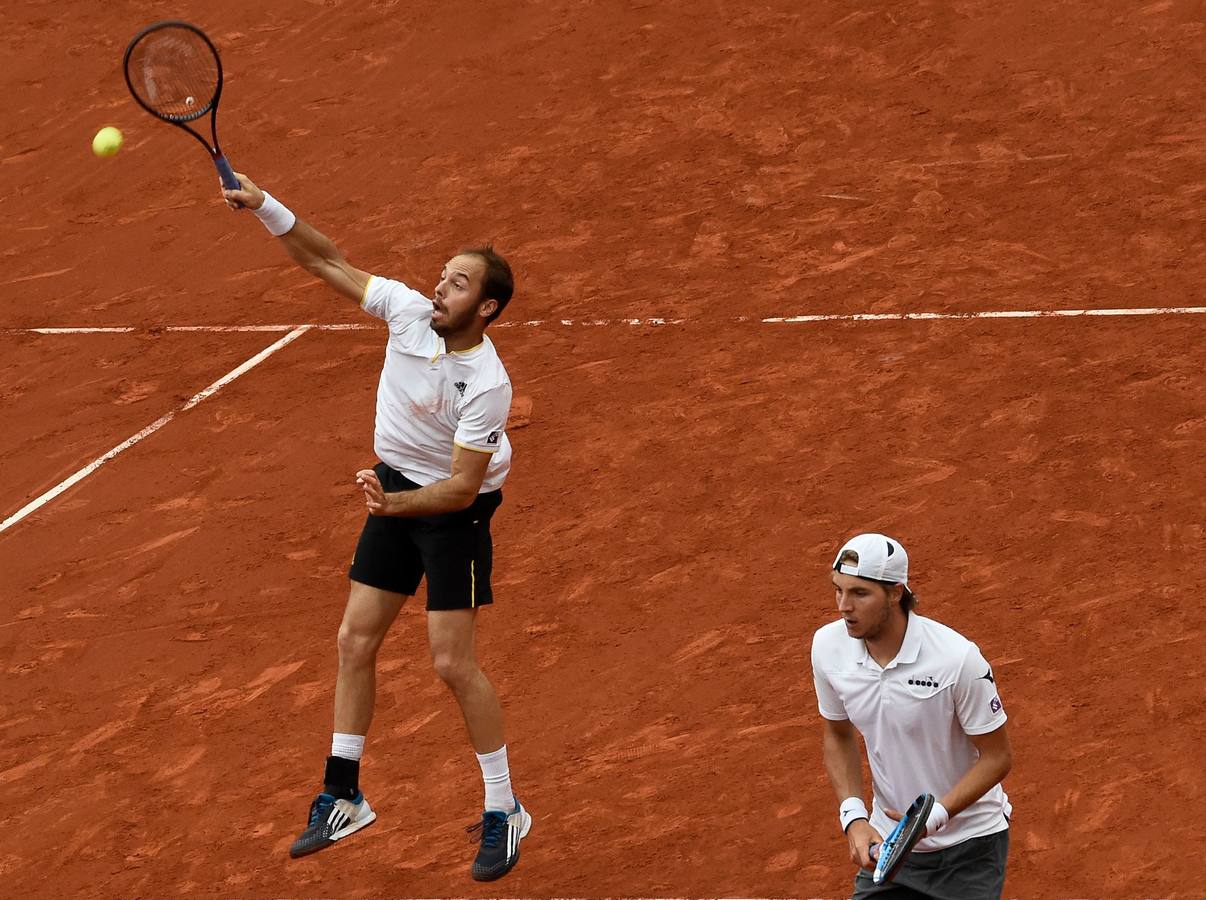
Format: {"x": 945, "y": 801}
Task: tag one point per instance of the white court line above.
{"x": 315, "y": 326}
{"x": 129, "y": 329}
{"x": 296, "y": 331}
{"x": 1000, "y": 314}
{"x": 656, "y": 320}
{"x": 152, "y": 428}
{"x": 107, "y": 330}
{"x": 992, "y": 160}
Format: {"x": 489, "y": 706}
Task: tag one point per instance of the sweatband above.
{"x": 851, "y": 810}
{"x": 937, "y": 820}
{"x": 277, "y": 217}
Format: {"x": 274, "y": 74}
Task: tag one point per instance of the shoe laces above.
{"x": 319, "y": 808}
{"x": 491, "y": 827}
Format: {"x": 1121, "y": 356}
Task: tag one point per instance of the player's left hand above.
{"x": 896, "y": 816}
{"x": 375, "y": 497}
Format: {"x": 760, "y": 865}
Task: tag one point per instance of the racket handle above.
{"x": 226, "y": 173}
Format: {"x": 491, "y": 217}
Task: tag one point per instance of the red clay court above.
{"x": 677, "y": 185}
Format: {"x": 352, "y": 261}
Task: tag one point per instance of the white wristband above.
{"x": 851, "y": 810}
{"x": 937, "y": 820}
{"x": 277, "y": 217}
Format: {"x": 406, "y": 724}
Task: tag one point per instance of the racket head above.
{"x": 904, "y": 837}
{"x": 173, "y": 71}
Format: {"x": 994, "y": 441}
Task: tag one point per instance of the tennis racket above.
{"x": 904, "y": 837}
{"x": 174, "y": 72}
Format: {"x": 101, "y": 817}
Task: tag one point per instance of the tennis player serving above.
{"x": 442, "y": 405}
{"x": 926, "y": 704}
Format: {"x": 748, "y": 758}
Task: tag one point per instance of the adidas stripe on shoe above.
{"x": 332, "y": 820}
{"x": 500, "y": 837}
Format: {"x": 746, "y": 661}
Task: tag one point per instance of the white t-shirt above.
{"x": 915, "y": 716}
{"x": 430, "y": 398}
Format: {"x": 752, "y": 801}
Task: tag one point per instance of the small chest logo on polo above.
{"x": 460, "y": 387}
{"x": 928, "y": 681}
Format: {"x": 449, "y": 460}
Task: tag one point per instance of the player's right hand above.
{"x": 249, "y": 196}
{"x": 860, "y": 836}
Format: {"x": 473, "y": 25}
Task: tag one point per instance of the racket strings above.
{"x": 175, "y": 73}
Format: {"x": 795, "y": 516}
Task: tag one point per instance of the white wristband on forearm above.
{"x": 277, "y": 217}
{"x": 851, "y": 810}
{"x": 937, "y": 820}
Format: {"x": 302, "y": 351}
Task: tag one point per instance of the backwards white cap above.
{"x": 880, "y": 558}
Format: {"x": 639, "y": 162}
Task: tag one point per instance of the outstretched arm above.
{"x": 309, "y": 248}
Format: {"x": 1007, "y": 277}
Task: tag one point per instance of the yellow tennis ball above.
{"x": 107, "y": 141}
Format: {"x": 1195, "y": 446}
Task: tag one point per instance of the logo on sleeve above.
{"x": 494, "y": 436}
{"x": 995, "y": 705}
{"x": 987, "y": 676}
{"x": 460, "y": 386}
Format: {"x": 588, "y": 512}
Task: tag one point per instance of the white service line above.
{"x": 129, "y": 442}
{"x": 992, "y": 161}
{"x": 311, "y": 326}
{"x": 315, "y": 326}
{"x": 105, "y": 330}
{"x": 999, "y": 314}
{"x": 128, "y": 329}
{"x": 651, "y": 320}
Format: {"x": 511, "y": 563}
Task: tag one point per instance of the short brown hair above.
{"x": 498, "y": 284}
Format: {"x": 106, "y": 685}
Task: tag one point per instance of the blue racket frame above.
{"x": 904, "y": 837}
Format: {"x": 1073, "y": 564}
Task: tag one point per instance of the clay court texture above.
{"x": 676, "y": 184}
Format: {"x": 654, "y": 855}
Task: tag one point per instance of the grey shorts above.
{"x": 972, "y": 870}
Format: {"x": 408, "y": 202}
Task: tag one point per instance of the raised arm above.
{"x": 309, "y": 248}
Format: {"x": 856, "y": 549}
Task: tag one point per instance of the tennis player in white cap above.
{"x": 926, "y": 704}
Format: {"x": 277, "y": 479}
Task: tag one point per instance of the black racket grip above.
{"x": 226, "y": 173}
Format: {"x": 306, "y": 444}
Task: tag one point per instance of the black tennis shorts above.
{"x": 453, "y": 550}
{"x": 971, "y": 870}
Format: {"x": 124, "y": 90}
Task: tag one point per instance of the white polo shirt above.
{"x": 430, "y": 398}
{"x": 915, "y": 716}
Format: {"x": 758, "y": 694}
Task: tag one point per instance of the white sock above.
{"x": 347, "y": 746}
{"x": 497, "y": 778}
